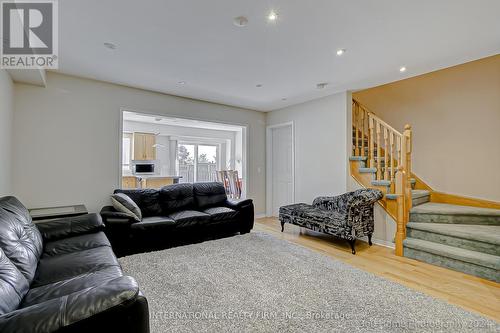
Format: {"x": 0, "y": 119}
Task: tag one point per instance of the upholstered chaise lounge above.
{"x": 347, "y": 216}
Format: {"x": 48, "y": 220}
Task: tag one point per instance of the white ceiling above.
{"x": 163, "y": 42}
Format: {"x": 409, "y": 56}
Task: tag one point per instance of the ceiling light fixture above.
{"x": 402, "y": 69}
{"x": 110, "y": 46}
{"x": 283, "y": 99}
{"x": 273, "y": 16}
{"x": 321, "y": 85}
{"x": 340, "y": 52}
{"x": 240, "y": 21}
{"x": 182, "y": 83}
{"x": 158, "y": 119}
{"x": 258, "y": 85}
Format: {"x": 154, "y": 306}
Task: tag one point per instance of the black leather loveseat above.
{"x": 176, "y": 212}
{"x": 62, "y": 276}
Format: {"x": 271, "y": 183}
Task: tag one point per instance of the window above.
{"x": 127, "y": 150}
{"x": 197, "y": 162}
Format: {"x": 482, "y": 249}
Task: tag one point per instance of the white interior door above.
{"x": 282, "y": 167}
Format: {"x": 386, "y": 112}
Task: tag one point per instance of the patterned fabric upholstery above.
{"x": 348, "y": 216}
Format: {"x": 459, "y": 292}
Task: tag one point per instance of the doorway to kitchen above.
{"x": 159, "y": 150}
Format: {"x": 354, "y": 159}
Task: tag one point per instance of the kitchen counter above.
{"x": 148, "y": 181}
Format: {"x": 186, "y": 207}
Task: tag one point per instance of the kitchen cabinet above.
{"x": 130, "y": 182}
{"x": 144, "y": 146}
{"x": 157, "y": 182}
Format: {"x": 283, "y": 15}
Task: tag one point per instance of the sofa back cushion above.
{"x": 20, "y": 239}
{"x": 176, "y": 197}
{"x": 147, "y": 199}
{"x": 209, "y": 194}
{"x": 13, "y": 285}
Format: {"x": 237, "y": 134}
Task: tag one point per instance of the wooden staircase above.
{"x": 381, "y": 158}
{"x": 447, "y": 230}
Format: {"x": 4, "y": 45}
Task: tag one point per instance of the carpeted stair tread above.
{"x": 367, "y": 170}
{"x": 483, "y": 233}
{"x": 415, "y": 194}
{"x": 381, "y": 182}
{"x": 432, "y": 212}
{"x": 468, "y": 256}
{"x": 440, "y": 208}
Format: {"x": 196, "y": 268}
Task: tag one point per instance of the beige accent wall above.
{"x": 455, "y": 115}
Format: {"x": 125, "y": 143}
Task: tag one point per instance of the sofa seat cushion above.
{"x": 221, "y": 213}
{"x": 65, "y": 266}
{"x": 313, "y": 215}
{"x": 153, "y": 222}
{"x": 189, "y": 218}
{"x": 75, "y": 244}
{"x": 65, "y": 287}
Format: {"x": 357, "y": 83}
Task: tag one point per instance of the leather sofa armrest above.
{"x": 246, "y": 212}
{"x": 70, "y": 226}
{"x": 238, "y": 204}
{"x": 111, "y": 215}
{"x": 77, "y": 310}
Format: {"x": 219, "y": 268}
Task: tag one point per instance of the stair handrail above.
{"x": 397, "y": 153}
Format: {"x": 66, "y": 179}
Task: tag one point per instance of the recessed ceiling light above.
{"x": 240, "y": 21}
{"x": 273, "y": 16}
{"x": 283, "y": 99}
{"x": 258, "y": 85}
{"x": 110, "y": 46}
{"x": 402, "y": 69}
{"x": 158, "y": 119}
{"x": 182, "y": 83}
{"x": 340, "y": 52}
{"x": 321, "y": 85}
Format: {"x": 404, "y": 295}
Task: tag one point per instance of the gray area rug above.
{"x": 259, "y": 283}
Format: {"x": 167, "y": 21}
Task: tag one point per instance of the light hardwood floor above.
{"x": 469, "y": 292}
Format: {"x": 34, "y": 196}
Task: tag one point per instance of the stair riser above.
{"x": 420, "y": 200}
{"x": 455, "y": 219}
{"x": 457, "y": 265}
{"x": 454, "y": 241}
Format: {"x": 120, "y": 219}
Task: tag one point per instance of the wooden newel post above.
{"x": 401, "y": 217}
{"x": 371, "y": 142}
{"x": 407, "y": 135}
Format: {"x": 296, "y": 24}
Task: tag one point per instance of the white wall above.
{"x": 66, "y": 138}
{"x": 322, "y": 149}
{"x": 320, "y": 145}
{"x": 385, "y": 226}
{"x": 6, "y": 122}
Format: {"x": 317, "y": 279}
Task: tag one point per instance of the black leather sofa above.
{"x": 62, "y": 276}
{"x": 175, "y": 213}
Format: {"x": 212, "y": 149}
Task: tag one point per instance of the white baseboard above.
{"x": 380, "y": 242}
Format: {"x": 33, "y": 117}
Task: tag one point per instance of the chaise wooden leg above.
{"x": 352, "y": 243}
{"x": 370, "y": 240}
{"x": 282, "y": 226}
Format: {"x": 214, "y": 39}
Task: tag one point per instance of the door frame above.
{"x": 269, "y": 164}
